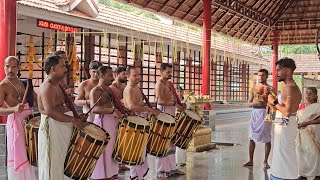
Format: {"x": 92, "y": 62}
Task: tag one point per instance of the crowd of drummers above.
{"x": 118, "y": 127}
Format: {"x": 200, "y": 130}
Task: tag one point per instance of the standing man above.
{"x": 167, "y": 103}
{"x": 259, "y": 130}
{"x": 11, "y": 93}
{"x": 85, "y": 87}
{"x": 64, "y": 82}
{"x": 56, "y": 122}
{"x": 118, "y": 86}
{"x": 133, "y": 100}
{"x": 119, "y": 83}
{"x": 106, "y": 167}
{"x": 284, "y": 159}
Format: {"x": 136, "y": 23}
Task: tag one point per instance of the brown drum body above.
{"x": 187, "y": 123}
{"x": 31, "y": 128}
{"x": 131, "y": 140}
{"x": 162, "y": 130}
{"x": 85, "y": 148}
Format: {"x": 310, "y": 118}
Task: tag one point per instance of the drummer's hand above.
{"x": 69, "y": 91}
{"x": 155, "y": 112}
{"x": 182, "y": 108}
{"x": 83, "y": 117}
{"x": 18, "y": 108}
{"x": 78, "y": 123}
{"x": 302, "y": 125}
{"x": 118, "y": 114}
{"x": 271, "y": 99}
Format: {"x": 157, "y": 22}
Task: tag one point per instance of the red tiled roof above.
{"x": 305, "y": 63}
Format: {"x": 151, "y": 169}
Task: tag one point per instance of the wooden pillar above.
{"x": 275, "y": 46}
{"x": 89, "y": 53}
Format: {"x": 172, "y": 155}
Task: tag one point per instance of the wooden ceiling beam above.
{"x": 248, "y": 29}
{"x": 147, "y": 3}
{"x": 250, "y": 34}
{"x": 243, "y": 10}
{"x": 180, "y": 4}
{"x": 227, "y": 22}
{"x": 221, "y": 18}
{"x": 283, "y": 10}
{"x": 263, "y": 36}
{"x": 266, "y": 5}
{"x": 191, "y": 8}
{"x": 163, "y": 5}
{"x": 238, "y": 31}
{"x": 197, "y": 16}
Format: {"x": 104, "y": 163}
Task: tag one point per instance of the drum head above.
{"x": 193, "y": 115}
{"x": 95, "y": 131}
{"x": 137, "y": 120}
{"x": 35, "y": 122}
{"x": 164, "y": 117}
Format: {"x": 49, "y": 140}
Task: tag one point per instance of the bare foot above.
{"x": 248, "y": 164}
{"x": 266, "y": 166}
{"x": 162, "y": 175}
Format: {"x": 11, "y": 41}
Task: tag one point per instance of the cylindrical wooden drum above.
{"x": 162, "y": 130}
{"x": 85, "y": 148}
{"x": 131, "y": 140}
{"x": 31, "y": 128}
{"x": 187, "y": 123}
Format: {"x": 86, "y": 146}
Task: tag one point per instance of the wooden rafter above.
{"x": 191, "y": 8}
{"x": 248, "y": 29}
{"x": 147, "y": 3}
{"x": 243, "y": 23}
{"x": 178, "y": 7}
{"x": 243, "y": 10}
{"x": 197, "y": 16}
{"x": 221, "y": 18}
{"x": 272, "y": 8}
{"x": 265, "y": 5}
{"x": 227, "y": 22}
{"x": 254, "y": 35}
{"x": 163, "y": 5}
{"x": 283, "y": 10}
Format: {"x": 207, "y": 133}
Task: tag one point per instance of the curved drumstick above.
{"x": 175, "y": 93}
{"x": 25, "y": 93}
{"x": 68, "y": 102}
{"x": 146, "y": 99}
{"x": 188, "y": 97}
{"x": 93, "y": 106}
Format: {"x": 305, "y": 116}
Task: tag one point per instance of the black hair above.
{"x": 264, "y": 71}
{"x": 58, "y": 53}
{"x": 164, "y": 66}
{"x": 103, "y": 69}
{"x": 129, "y": 69}
{"x": 50, "y": 62}
{"x": 95, "y": 64}
{"x": 286, "y": 63}
{"x": 119, "y": 70}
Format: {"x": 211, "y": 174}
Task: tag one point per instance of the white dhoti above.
{"x": 91, "y": 116}
{"x": 54, "y": 139}
{"x": 308, "y": 144}
{"x": 284, "y": 159}
{"x": 181, "y": 156}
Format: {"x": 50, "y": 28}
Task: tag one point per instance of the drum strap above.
{"x": 174, "y": 92}
{"x": 146, "y": 99}
{"x": 116, "y": 100}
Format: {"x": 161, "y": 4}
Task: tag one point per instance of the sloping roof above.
{"x": 139, "y": 24}
{"x": 248, "y": 20}
{"x": 305, "y": 63}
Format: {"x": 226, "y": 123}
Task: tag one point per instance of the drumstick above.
{"x": 25, "y": 93}
{"x": 68, "y": 102}
{"x": 188, "y": 97}
{"x": 93, "y": 106}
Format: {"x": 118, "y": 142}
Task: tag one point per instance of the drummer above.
{"x": 167, "y": 103}
{"x": 133, "y": 100}
{"x": 106, "y": 167}
{"x": 64, "y": 82}
{"x": 56, "y": 122}
{"x": 118, "y": 86}
{"x": 85, "y": 87}
{"x": 11, "y": 93}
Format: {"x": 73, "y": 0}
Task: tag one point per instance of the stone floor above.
{"x": 225, "y": 163}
